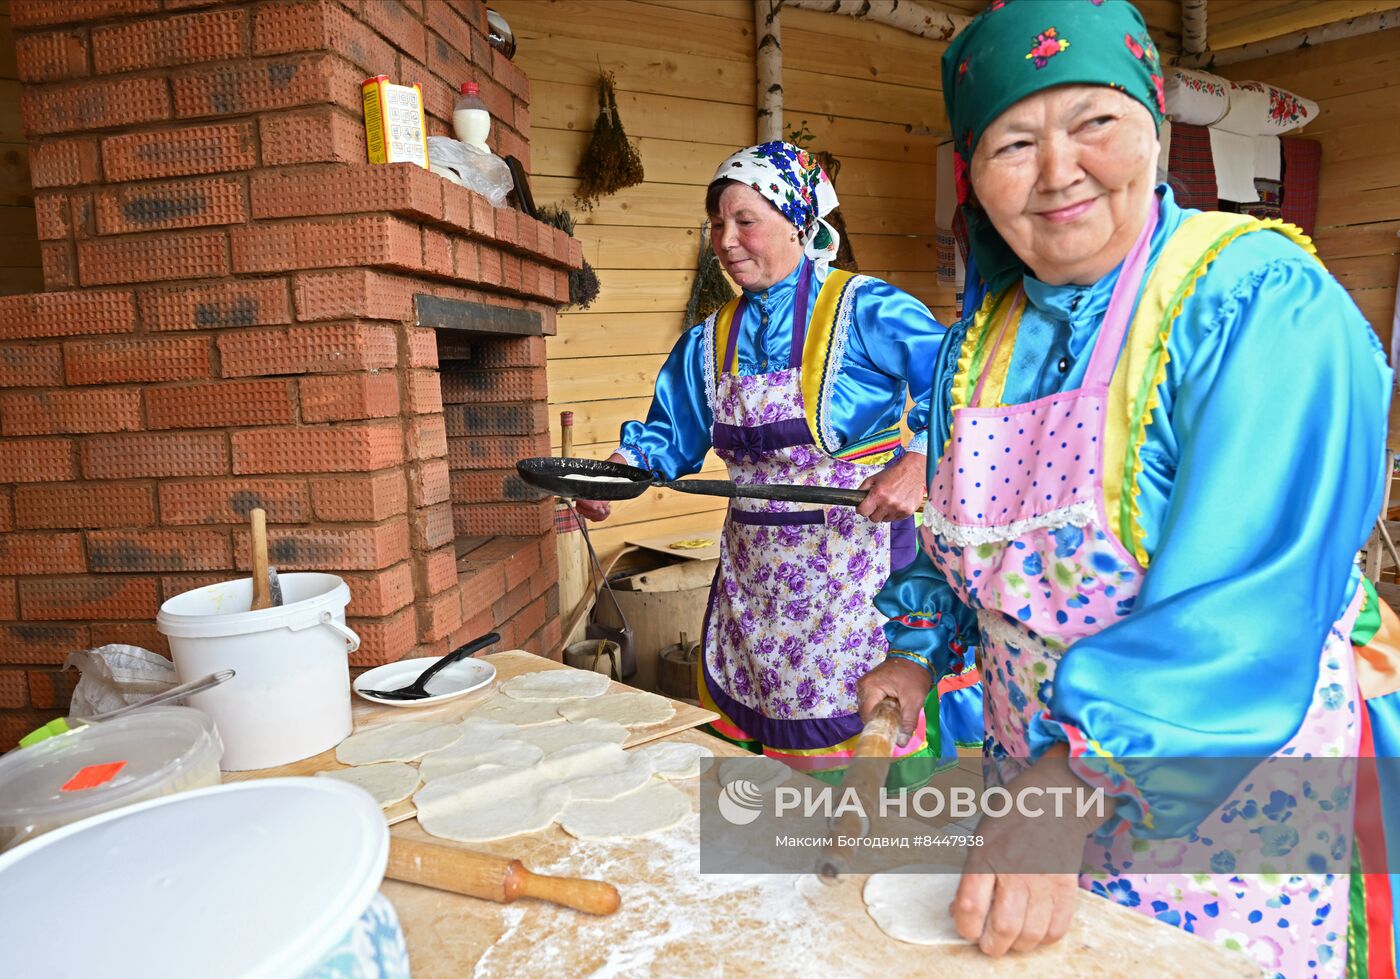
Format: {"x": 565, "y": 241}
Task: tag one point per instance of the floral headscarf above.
{"x": 1016, "y": 48}
{"x": 794, "y": 182}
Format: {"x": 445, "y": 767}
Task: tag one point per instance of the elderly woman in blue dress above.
{"x": 1155, "y": 448}
{"x": 801, "y": 379}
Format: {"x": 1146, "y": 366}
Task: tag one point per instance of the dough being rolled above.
{"x": 388, "y": 782}
{"x": 632, "y": 709}
{"x": 406, "y": 741}
{"x": 912, "y": 907}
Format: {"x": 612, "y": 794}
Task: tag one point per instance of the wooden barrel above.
{"x": 676, "y": 671}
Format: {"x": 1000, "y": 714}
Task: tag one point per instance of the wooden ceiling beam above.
{"x": 1370, "y": 24}
{"x": 925, "y": 21}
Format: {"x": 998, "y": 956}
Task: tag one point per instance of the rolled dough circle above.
{"x": 632, "y": 709}
{"x": 389, "y": 782}
{"x": 556, "y": 685}
{"x": 652, "y": 808}
{"x": 912, "y": 907}
{"x": 406, "y": 741}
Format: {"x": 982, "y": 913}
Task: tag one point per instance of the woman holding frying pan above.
{"x": 802, "y": 379}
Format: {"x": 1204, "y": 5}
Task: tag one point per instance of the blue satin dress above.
{"x": 891, "y": 339}
{"x": 1261, "y": 478}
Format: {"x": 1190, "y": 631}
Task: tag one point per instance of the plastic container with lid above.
{"x": 471, "y": 120}
{"x": 267, "y": 879}
{"x": 150, "y": 753}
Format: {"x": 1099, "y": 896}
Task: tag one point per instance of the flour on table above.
{"x": 552, "y": 737}
{"x": 765, "y": 773}
{"x": 674, "y": 759}
{"x": 913, "y": 907}
{"x": 466, "y": 754}
{"x": 489, "y": 802}
{"x": 388, "y": 782}
{"x": 522, "y": 713}
{"x": 406, "y": 741}
{"x": 632, "y": 709}
{"x": 650, "y": 809}
{"x": 556, "y": 685}
{"x": 597, "y": 771}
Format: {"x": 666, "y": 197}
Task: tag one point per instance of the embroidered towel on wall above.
{"x": 1196, "y": 97}
{"x": 1302, "y": 167}
{"x": 1191, "y": 167}
{"x": 1268, "y": 158}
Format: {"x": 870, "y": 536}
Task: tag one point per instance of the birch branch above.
{"x": 903, "y": 14}
{"x": 1193, "y": 26}
{"x": 768, "y": 65}
{"x": 1336, "y": 31}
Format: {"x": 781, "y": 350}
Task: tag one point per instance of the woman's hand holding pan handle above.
{"x": 598, "y": 510}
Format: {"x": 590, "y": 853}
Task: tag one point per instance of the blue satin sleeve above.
{"x": 925, "y": 616}
{"x": 894, "y": 341}
{"x": 1268, "y": 450}
{"x": 676, "y": 435}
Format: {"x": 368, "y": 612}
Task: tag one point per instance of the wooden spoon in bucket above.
{"x": 267, "y": 590}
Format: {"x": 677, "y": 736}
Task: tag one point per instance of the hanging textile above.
{"x": 1192, "y": 167}
{"x": 1302, "y": 167}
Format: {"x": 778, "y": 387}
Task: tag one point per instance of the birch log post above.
{"x": 903, "y": 14}
{"x": 1336, "y": 31}
{"x": 1193, "y": 26}
{"x": 768, "y": 61}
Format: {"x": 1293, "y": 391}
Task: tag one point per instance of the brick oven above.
{"x": 241, "y": 311}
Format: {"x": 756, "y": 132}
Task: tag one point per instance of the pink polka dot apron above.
{"x": 791, "y": 624}
{"x": 1016, "y": 522}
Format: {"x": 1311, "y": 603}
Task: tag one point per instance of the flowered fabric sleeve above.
{"x": 676, "y": 435}
{"x": 926, "y": 620}
{"x": 1275, "y": 401}
{"x": 894, "y": 334}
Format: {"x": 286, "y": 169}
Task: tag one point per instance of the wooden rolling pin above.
{"x": 262, "y": 589}
{"x": 876, "y": 743}
{"x": 493, "y": 878}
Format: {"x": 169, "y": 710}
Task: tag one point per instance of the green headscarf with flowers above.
{"x": 1016, "y": 48}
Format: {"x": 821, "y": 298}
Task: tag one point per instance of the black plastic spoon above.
{"x": 418, "y": 689}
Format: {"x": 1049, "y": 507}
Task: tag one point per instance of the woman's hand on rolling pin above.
{"x": 598, "y": 510}
{"x": 897, "y": 492}
{"x": 908, "y": 683}
{"x": 1001, "y": 904}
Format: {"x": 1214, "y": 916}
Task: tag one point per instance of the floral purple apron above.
{"x": 791, "y": 625}
{"x": 1016, "y": 522}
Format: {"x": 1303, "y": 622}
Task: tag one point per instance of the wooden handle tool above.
{"x": 493, "y": 878}
{"x": 867, "y": 778}
{"x": 262, "y": 590}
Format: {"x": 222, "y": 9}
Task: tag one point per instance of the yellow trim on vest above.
{"x": 1000, "y": 366}
{"x": 724, "y": 320}
{"x": 816, "y": 350}
{"x": 1183, "y": 261}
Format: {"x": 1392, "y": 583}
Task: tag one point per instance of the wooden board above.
{"x": 675, "y": 921}
{"x": 510, "y": 663}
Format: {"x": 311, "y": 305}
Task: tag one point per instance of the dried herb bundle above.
{"x": 583, "y": 282}
{"x": 711, "y": 289}
{"x": 610, "y": 162}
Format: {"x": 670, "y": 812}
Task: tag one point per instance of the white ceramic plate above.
{"x": 460, "y": 678}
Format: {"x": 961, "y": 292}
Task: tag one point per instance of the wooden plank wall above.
{"x": 19, "y": 238}
{"x": 1353, "y": 82}
{"x": 685, "y": 80}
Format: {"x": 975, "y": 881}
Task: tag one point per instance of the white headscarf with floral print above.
{"x": 792, "y": 181}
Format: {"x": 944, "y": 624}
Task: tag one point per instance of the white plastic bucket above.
{"x": 291, "y": 697}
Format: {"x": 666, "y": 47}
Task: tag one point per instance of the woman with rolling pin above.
{"x": 1155, "y": 448}
{"x": 801, "y": 379}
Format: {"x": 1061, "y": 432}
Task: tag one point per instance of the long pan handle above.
{"x": 826, "y": 495}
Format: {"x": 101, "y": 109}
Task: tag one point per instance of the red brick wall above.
{"x": 230, "y": 323}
